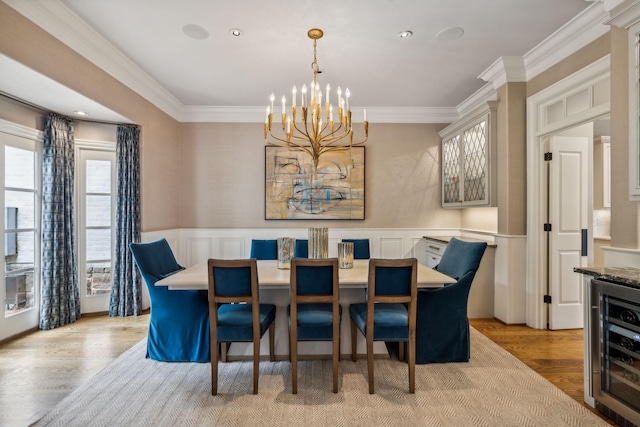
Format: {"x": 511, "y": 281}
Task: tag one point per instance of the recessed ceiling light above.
{"x": 195, "y": 32}
{"x": 405, "y": 34}
{"x": 450, "y": 34}
{"x": 80, "y": 113}
{"x": 236, "y": 32}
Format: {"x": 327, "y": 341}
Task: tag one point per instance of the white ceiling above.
{"x": 360, "y": 49}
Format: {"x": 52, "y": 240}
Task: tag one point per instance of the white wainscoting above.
{"x": 510, "y": 280}
{"x": 193, "y": 246}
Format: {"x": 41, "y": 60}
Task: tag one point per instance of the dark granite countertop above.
{"x": 446, "y": 239}
{"x": 628, "y": 276}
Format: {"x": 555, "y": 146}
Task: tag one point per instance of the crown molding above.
{"x": 20, "y": 130}
{"x": 627, "y": 16}
{"x": 575, "y": 34}
{"x": 505, "y": 69}
{"x": 199, "y": 114}
{"x": 59, "y": 21}
{"x": 479, "y": 98}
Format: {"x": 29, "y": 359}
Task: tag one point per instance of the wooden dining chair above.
{"x": 314, "y": 311}
{"x": 390, "y": 311}
{"x": 231, "y": 282}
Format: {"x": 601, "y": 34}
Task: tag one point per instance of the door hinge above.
{"x": 548, "y": 157}
{"x": 547, "y": 227}
{"x": 547, "y": 299}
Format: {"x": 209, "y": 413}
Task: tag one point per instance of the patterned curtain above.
{"x": 60, "y": 296}
{"x": 126, "y": 292}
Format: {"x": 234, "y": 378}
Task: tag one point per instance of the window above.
{"x": 96, "y": 222}
{"x": 21, "y": 242}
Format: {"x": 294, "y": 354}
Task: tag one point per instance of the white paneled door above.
{"x": 568, "y": 217}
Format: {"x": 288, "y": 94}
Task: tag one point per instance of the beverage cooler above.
{"x": 615, "y": 352}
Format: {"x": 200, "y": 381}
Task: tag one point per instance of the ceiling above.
{"x": 203, "y": 65}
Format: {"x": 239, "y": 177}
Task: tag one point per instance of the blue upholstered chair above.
{"x": 314, "y": 311}
{"x": 360, "y": 248}
{"x": 390, "y": 311}
{"x": 264, "y": 249}
{"x": 442, "y": 325}
{"x": 302, "y": 248}
{"x": 236, "y": 281}
{"x": 179, "y": 321}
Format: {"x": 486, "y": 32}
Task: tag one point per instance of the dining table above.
{"x": 273, "y": 284}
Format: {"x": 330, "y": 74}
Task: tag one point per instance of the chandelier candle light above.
{"x": 309, "y": 133}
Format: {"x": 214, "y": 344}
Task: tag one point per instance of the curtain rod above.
{"x": 47, "y": 111}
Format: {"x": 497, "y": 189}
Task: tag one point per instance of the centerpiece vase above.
{"x": 318, "y": 243}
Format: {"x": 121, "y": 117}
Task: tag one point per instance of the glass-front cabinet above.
{"x": 466, "y": 163}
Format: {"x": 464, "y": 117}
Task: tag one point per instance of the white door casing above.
{"x": 568, "y": 216}
{"x": 593, "y": 79}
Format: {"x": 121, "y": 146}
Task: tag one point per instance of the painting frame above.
{"x": 336, "y": 191}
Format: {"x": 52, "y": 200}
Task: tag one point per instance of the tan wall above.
{"x": 18, "y": 113}
{"x": 28, "y": 44}
{"x": 512, "y": 159}
{"x": 222, "y": 178}
{"x": 95, "y": 131}
{"x": 479, "y": 219}
{"x": 624, "y": 213}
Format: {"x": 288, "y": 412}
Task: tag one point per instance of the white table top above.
{"x": 269, "y": 276}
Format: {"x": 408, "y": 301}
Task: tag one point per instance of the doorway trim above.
{"x": 549, "y": 111}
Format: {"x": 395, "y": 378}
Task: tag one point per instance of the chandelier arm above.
{"x": 303, "y": 130}
{"x": 330, "y": 148}
{"x": 329, "y": 140}
{"x": 285, "y": 142}
{"x": 290, "y": 147}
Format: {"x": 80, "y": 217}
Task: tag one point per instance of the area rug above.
{"x": 493, "y": 389}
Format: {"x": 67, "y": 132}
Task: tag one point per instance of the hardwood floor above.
{"x": 39, "y": 369}
{"x": 556, "y": 355}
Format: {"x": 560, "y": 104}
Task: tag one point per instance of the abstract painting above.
{"x": 294, "y": 191}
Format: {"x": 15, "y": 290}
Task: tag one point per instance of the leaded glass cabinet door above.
{"x": 451, "y": 171}
{"x": 475, "y": 163}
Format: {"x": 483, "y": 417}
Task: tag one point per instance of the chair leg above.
{"x": 354, "y": 341}
{"x": 336, "y": 359}
{"x": 256, "y": 364}
{"x": 401, "y": 351}
{"x": 370, "y": 360}
{"x": 214, "y": 367}
{"x": 294, "y": 364}
{"x": 412, "y": 365}
{"x": 272, "y": 329}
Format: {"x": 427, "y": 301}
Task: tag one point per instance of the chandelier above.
{"x": 316, "y": 131}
